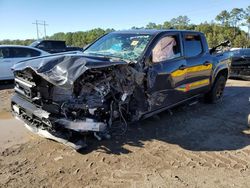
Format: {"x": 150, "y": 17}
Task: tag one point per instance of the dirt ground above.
{"x": 197, "y": 146}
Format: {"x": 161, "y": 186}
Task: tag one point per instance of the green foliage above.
{"x": 80, "y": 38}
{"x": 247, "y": 15}
{"x": 17, "y": 42}
{"x": 247, "y": 20}
{"x": 227, "y": 27}
{"x": 241, "y": 41}
{"x": 223, "y": 17}
{"x": 236, "y": 16}
{"x": 181, "y": 22}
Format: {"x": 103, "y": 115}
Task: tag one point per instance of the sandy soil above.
{"x": 12, "y": 131}
{"x": 198, "y": 146}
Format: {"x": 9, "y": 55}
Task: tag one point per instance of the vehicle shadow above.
{"x": 9, "y": 84}
{"x": 201, "y": 127}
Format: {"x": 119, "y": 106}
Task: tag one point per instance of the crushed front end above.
{"x": 60, "y": 96}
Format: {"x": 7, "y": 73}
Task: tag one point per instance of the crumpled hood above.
{"x": 62, "y": 70}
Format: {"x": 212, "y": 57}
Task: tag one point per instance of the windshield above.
{"x": 34, "y": 44}
{"x": 118, "y": 45}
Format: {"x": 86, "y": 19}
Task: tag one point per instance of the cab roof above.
{"x": 153, "y": 31}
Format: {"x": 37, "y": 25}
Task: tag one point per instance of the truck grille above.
{"x": 25, "y": 86}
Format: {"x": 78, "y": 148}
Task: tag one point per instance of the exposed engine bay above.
{"x": 98, "y": 99}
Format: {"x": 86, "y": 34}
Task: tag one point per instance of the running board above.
{"x": 149, "y": 114}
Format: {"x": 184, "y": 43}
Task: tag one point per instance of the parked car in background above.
{"x": 12, "y": 54}
{"x": 54, "y": 46}
{"x": 240, "y": 66}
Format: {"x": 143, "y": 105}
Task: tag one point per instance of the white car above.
{"x": 11, "y": 54}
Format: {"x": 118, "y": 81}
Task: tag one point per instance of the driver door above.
{"x": 167, "y": 72}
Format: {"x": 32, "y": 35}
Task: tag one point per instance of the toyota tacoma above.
{"x": 120, "y": 78}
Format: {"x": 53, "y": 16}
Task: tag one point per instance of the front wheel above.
{"x": 216, "y": 93}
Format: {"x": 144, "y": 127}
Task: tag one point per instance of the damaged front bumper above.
{"x": 240, "y": 75}
{"x": 240, "y": 69}
{"x": 43, "y": 123}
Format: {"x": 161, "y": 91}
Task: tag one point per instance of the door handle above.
{"x": 182, "y": 67}
{"x": 206, "y": 63}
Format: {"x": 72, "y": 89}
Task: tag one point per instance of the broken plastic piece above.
{"x": 83, "y": 125}
{"x": 77, "y": 146}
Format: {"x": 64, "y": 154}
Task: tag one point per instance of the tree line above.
{"x": 226, "y": 26}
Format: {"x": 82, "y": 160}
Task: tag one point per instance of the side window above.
{"x": 24, "y": 52}
{"x": 192, "y": 45}
{"x": 33, "y": 53}
{"x": 4, "y": 53}
{"x": 58, "y": 45}
{"x": 166, "y": 48}
{"x": 41, "y": 45}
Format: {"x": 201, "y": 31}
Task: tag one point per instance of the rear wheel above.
{"x": 216, "y": 93}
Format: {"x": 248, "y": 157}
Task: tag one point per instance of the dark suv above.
{"x": 54, "y": 46}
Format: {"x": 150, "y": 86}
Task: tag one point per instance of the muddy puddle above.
{"x": 12, "y": 131}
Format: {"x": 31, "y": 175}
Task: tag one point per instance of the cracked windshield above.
{"x": 124, "y": 46}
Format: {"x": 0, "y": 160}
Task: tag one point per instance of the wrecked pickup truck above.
{"x": 122, "y": 77}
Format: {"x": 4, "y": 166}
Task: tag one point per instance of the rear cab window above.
{"x": 192, "y": 45}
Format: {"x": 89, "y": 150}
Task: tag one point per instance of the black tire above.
{"x": 216, "y": 93}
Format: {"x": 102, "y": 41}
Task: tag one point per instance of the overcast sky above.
{"x": 17, "y": 16}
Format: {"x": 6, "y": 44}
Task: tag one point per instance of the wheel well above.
{"x": 223, "y": 72}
